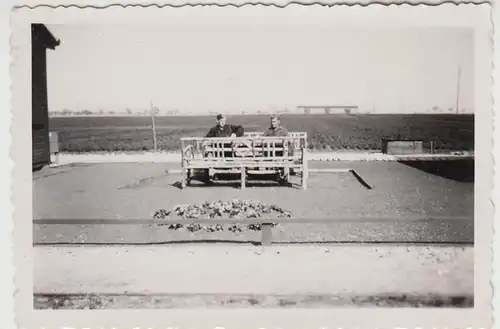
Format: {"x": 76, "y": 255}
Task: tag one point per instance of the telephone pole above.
{"x": 458, "y": 88}
{"x": 153, "y": 113}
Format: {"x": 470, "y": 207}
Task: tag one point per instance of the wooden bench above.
{"x": 252, "y": 153}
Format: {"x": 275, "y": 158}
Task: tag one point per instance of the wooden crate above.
{"x": 395, "y": 147}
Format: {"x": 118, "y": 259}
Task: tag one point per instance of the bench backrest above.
{"x": 249, "y": 147}
{"x": 297, "y": 142}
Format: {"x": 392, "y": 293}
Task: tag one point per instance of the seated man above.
{"x": 276, "y": 128}
{"x": 221, "y": 129}
{"x": 224, "y": 130}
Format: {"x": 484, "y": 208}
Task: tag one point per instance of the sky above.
{"x": 203, "y": 68}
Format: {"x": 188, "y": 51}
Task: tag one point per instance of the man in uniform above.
{"x": 224, "y": 130}
{"x": 276, "y": 129}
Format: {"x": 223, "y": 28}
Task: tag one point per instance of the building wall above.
{"x": 40, "y": 116}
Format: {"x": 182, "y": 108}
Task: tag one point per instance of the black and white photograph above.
{"x": 258, "y": 158}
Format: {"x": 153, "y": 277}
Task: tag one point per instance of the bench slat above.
{"x": 245, "y": 165}
{"x": 230, "y": 149}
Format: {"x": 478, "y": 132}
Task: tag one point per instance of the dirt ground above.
{"x": 170, "y": 269}
{"x": 243, "y": 276}
{"x": 132, "y": 190}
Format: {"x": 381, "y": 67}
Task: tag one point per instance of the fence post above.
{"x": 54, "y": 147}
{"x": 287, "y": 159}
{"x": 305, "y": 169}
{"x": 153, "y": 111}
{"x": 267, "y": 234}
{"x": 154, "y": 133}
{"x": 184, "y": 172}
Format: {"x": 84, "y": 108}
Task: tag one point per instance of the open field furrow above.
{"x": 325, "y": 132}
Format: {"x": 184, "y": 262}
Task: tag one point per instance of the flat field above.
{"x": 325, "y": 132}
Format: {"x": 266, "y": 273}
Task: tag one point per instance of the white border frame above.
{"x": 449, "y": 15}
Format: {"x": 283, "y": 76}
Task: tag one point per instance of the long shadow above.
{"x": 233, "y": 181}
{"x": 461, "y": 170}
{"x": 360, "y": 179}
{"x": 204, "y": 241}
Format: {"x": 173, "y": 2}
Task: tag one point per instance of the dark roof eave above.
{"x": 52, "y": 41}
{"x": 55, "y": 43}
{"x": 49, "y": 40}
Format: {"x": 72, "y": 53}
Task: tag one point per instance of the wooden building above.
{"x": 328, "y": 109}
{"x": 41, "y": 40}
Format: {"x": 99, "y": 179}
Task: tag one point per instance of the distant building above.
{"x": 41, "y": 40}
{"x": 328, "y": 109}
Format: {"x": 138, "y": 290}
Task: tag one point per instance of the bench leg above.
{"x": 189, "y": 176}
{"x": 305, "y": 176}
{"x": 283, "y": 176}
{"x": 184, "y": 178}
{"x": 243, "y": 178}
{"x": 206, "y": 176}
{"x": 287, "y": 174}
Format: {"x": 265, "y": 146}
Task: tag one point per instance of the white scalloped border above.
{"x": 8, "y": 161}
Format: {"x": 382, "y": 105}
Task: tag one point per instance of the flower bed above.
{"x": 237, "y": 209}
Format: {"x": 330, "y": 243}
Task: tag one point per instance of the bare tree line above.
{"x": 176, "y": 112}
